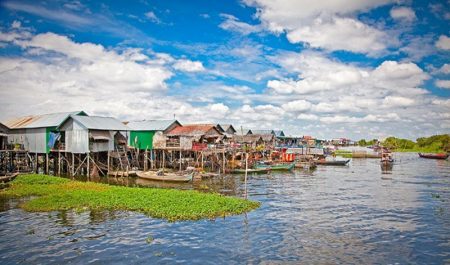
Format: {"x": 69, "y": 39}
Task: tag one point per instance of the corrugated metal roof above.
{"x": 151, "y": 125}
{"x": 225, "y": 127}
{"x": 100, "y": 123}
{"x": 279, "y": 133}
{"x": 41, "y": 121}
{"x": 243, "y": 131}
{"x": 193, "y": 130}
{"x": 263, "y": 132}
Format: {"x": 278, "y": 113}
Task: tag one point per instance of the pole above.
{"x": 245, "y": 179}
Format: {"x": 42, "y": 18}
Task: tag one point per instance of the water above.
{"x": 357, "y": 214}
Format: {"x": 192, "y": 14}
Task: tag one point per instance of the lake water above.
{"x": 356, "y": 214}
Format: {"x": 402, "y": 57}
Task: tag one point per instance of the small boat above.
{"x": 164, "y": 176}
{"x": 277, "y": 167}
{"x": 305, "y": 165}
{"x": 251, "y": 170}
{"x": 332, "y": 162}
{"x": 434, "y": 156}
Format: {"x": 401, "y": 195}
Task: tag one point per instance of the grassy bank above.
{"x": 56, "y": 193}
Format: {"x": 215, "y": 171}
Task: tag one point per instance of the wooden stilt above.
{"x": 180, "y": 159}
{"x": 145, "y": 160}
{"x": 59, "y": 163}
{"x": 223, "y": 161}
{"x": 202, "y": 159}
{"x": 46, "y": 163}
{"x": 87, "y": 167}
{"x": 73, "y": 164}
{"x": 107, "y": 171}
{"x": 163, "y": 159}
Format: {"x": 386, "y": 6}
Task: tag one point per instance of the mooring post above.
{"x": 245, "y": 178}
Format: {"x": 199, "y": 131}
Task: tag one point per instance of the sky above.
{"x": 338, "y": 68}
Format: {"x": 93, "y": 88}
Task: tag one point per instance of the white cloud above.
{"x": 188, "y": 66}
{"x": 341, "y": 34}
{"x": 443, "y": 83}
{"x": 232, "y": 23}
{"x": 152, "y": 17}
{"x": 307, "y": 117}
{"x": 443, "y": 42}
{"x": 397, "y": 101}
{"x": 329, "y": 25}
{"x": 403, "y": 13}
{"x": 297, "y": 105}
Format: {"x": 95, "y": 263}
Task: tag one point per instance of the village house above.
{"x": 194, "y": 136}
{"x": 38, "y": 133}
{"x": 142, "y": 133}
{"x": 85, "y": 134}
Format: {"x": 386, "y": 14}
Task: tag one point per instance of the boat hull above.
{"x": 167, "y": 177}
{"x": 251, "y": 171}
{"x": 332, "y": 163}
{"x": 434, "y": 156}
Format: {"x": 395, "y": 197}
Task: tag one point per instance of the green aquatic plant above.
{"x": 54, "y": 193}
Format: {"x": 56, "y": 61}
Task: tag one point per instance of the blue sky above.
{"x": 358, "y": 69}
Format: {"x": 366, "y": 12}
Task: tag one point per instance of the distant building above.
{"x": 226, "y": 129}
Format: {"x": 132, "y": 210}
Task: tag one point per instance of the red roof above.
{"x": 194, "y": 130}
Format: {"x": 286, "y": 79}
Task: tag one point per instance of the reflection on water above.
{"x": 354, "y": 214}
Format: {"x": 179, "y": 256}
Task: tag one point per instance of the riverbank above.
{"x": 54, "y": 193}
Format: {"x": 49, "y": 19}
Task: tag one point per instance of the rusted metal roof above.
{"x": 40, "y": 121}
{"x": 195, "y": 130}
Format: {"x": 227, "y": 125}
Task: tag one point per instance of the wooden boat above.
{"x": 251, "y": 170}
{"x": 168, "y": 177}
{"x": 277, "y": 167}
{"x": 332, "y": 162}
{"x": 434, "y": 156}
{"x": 305, "y": 165}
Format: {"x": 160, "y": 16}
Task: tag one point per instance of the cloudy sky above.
{"x": 340, "y": 68}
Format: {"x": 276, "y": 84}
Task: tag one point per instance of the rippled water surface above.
{"x": 355, "y": 214}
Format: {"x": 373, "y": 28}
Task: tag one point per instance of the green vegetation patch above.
{"x": 56, "y": 193}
